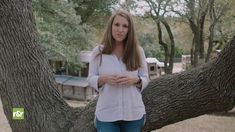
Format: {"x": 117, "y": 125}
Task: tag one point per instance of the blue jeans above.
{"x": 120, "y": 126}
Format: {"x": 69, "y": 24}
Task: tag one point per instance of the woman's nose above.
{"x": 120, "y": 29}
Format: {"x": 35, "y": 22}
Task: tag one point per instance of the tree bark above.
{"x": 26, "y": 81}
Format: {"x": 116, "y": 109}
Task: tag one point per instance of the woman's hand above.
{"x": 126, "y": 80}
{"x": 108, "y": 79}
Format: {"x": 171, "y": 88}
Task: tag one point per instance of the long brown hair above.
{"x": 131, "y": 56}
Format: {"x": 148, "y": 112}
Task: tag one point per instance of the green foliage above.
{"x": 153, "y": 49}
{"x": 150, "y": 45}
{"x": 93, "y": 12}
{"x": 60, "y": 30}
{"x": 224, "y": 31}
{"x": 178, "y": 52}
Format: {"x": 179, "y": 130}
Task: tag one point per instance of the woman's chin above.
{"x": 119, "y": 40}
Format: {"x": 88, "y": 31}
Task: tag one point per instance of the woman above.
{"x": 118, "y": 71}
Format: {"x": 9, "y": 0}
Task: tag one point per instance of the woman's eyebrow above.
{"x": 125, "y": 25}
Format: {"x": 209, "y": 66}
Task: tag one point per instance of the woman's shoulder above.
{"x": 98, "y": 48}
{"x": 141, "y": 50}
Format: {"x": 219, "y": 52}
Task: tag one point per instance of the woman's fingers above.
{"x": 112, "y": 80}
{"x": 125, "y": 80}
{"x": 119, "y": 80}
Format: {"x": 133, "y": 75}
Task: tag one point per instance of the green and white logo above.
{"x": 18, "y": 113}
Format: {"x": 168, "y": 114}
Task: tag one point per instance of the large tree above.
{"x": 157, "y": 12}
{"x": 216, "y": 11}
{"x": 195, "y": 12}
{"x": 26, "y": 81}
{"x": 61, "y": 32}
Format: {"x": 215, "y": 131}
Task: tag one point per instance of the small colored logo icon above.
{"x": 18, "y": 113}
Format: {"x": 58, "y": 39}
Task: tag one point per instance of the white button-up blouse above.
{"x": 117, "y": 102}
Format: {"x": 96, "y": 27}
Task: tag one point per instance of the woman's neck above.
{"x": 118, "y": 50}
{"x": 118, "y": 43}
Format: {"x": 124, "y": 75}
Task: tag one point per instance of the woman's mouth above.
{"x": 119, "y": 35}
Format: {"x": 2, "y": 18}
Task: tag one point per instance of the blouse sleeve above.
{"x": 143, "y": 70}
{"x": 93, "y": 73}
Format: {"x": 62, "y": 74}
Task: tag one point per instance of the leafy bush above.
{"x": 178, "y": 52}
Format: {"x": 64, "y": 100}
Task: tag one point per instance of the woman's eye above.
{"x": 116, "y": 24}
{"x": 125, "y": 26}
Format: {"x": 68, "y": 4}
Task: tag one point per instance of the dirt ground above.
{"x": 205, "y": 123}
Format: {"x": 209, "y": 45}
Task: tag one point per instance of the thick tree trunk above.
{"x": 26, "y": 81}
{"x": 206, "y": 89}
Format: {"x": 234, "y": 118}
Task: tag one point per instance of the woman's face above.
{"x": 119, "y": 28}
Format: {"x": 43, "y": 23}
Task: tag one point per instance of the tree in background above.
{"x": 195, "y": 13}
{"x": 61, "y": 31}
{"x": 94, "y": 12}
{"x": 158, "y": 10}
{"x": 224, "y": 31}
{"x": 217, "y": 9}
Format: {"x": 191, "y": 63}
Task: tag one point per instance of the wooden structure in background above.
{"x": 72, "y": 87}
{"x": 155, "y": 67}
